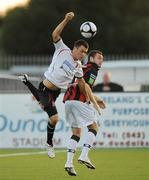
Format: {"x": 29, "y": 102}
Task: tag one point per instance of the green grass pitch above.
{"x": 111, "y": 164}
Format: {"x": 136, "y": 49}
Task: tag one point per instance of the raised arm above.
{"x": 58, "y": 30}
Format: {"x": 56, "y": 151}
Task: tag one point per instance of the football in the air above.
{"x": 88, "y": 29}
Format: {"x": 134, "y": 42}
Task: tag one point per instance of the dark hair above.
{"x": 93, "y": 53}
{"x": 81, "y": 42}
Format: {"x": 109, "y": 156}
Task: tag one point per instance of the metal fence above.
{"x": 7, "y": 62}
{"x": 16, "y": 65}
{"x": 36, "y": 65}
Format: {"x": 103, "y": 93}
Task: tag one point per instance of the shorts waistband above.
{"x": 42, "y": 87}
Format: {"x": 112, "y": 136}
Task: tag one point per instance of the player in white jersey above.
{"x": 64, "y": 67}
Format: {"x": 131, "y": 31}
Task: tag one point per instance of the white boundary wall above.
{"x": 124, "y": 123}
{"x": 130, "y": 74}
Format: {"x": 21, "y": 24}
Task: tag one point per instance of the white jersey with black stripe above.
{"x": 63, "y": 67}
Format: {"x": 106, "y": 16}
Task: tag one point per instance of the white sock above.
{"x": 90, "y": 138}
{"x": 72, "y": 145}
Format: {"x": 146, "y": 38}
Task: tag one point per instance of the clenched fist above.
{"x": 69, "y": 16}
{"x": 101, "y": 104}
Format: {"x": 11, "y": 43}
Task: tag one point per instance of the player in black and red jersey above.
{"x": 79, "y": 112}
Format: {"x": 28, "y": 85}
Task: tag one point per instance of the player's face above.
{"x": 79, "y": 52}
{"x": 98, "y": 59}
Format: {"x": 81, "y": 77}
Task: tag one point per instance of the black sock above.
{"x": 50, "y": 133}
{"x": 33, "y": 90}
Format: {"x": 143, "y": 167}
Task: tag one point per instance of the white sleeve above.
{"x": 60, "y": 45}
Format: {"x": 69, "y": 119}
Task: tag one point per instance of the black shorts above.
{"x": 48, "y": 98}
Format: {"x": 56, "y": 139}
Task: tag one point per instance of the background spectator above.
{"x": 107, "y": 85}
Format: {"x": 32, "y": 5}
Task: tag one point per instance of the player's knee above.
{"x": 76, "y": 131}
{"x": 93, "y": 126}
{"x": 96, "y": 128}
{"x": 54, "y": 119}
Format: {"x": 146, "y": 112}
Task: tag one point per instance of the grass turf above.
{"x": 111, "y": 164}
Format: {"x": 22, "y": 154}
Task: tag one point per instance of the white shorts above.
{"x": 79, "y": 114}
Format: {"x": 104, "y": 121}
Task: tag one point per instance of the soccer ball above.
{"x": 88, "y": 29}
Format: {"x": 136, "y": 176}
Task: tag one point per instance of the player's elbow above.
{"x": 55, "y": 36}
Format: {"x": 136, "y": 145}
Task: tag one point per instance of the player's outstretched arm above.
{"x": 58, "y": 30}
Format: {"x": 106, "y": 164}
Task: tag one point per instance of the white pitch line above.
{"x": 28, "y": 153}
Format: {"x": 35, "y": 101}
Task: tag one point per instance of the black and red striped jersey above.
{"x": 90, "y": 72}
